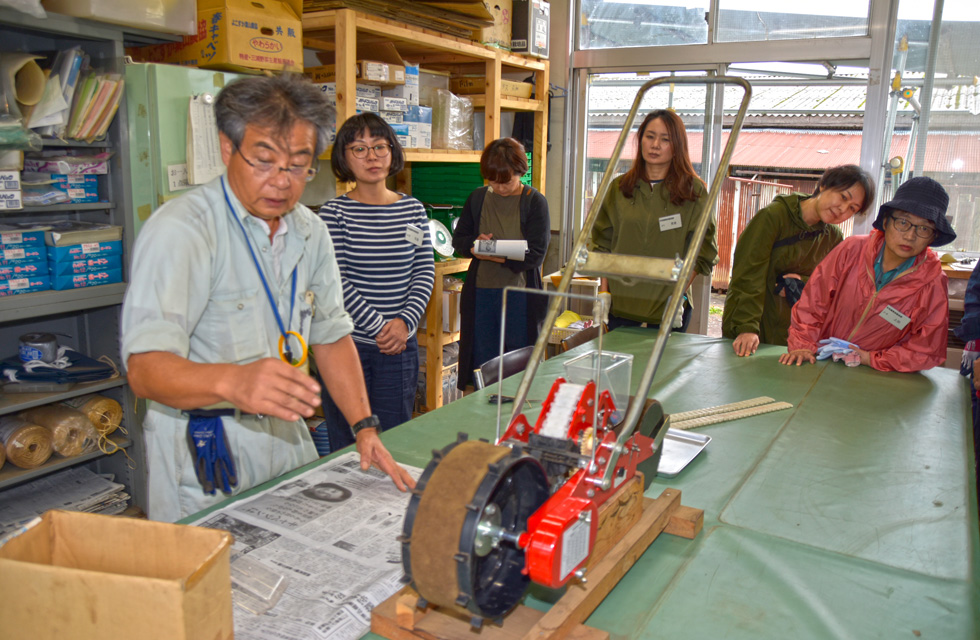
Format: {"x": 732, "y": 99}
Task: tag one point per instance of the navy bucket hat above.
{"x": 923, "y": 197}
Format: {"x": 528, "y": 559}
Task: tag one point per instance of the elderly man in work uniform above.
{"x": 233, "y": 286}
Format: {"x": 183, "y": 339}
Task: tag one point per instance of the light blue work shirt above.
{"x": 195, "y": 291}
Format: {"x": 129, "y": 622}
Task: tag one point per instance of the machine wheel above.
{"x": 471, "y": 503}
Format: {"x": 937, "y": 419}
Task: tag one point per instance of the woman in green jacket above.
{"x": 785, "y": 241}
{"x": 651, "y": 210}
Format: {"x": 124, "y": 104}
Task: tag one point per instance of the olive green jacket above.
{"x": 632, "y": 226}
{"x": 751, "y": 305}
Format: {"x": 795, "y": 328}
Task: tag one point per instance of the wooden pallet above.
{"x": 628, "y": 524}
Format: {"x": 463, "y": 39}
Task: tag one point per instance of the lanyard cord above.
{"x": 283, "y": 329}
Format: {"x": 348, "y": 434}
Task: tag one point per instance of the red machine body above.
{"x": 560, "y": 535}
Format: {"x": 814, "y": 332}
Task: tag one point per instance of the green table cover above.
{"x": 852, "y": 515}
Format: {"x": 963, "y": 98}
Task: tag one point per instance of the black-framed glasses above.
{"x": 299, "y": 172}
{"x": 360, "y": 151}
{"x": 921, "y": 230}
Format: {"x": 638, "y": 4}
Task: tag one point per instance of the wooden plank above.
{"x": 687, "y": 522}
{"x": 397, "y": 618}
{"x": 617, "y": 516}
{"x": 581, "y": 600}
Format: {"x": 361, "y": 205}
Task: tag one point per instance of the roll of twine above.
{"x": 105, "y": 413}
{"x": 72, "y": 432}
{"x": 38, "y": 346}
{"x": 25, "y": 444}
{"x": 3, "y": 456}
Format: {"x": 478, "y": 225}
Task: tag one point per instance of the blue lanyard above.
{"x": 283, "y": 329}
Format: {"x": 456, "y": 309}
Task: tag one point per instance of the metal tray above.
{"x": 679, "y": 448}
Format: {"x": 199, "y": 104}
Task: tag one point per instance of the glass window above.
{"x": 757, "y": 20}
{"x": 943, "y": 143}
{"x": 606, "y": 24}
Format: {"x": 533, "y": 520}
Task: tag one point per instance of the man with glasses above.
{"x": 233, "y": 286}
{"x": 883, "y": 296}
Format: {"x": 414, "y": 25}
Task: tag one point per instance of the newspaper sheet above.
{"x": 77, "y": 489}
{"x": 332, "y": 532}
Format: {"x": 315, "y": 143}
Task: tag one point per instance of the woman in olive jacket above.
{"x": 503, "y": 210}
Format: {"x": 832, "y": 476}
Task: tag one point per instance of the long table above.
{"x": 852, "y": 515}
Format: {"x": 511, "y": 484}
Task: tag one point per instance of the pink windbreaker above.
{"x": 840, "y": 301}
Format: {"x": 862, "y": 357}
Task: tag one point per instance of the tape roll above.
{"x": 105, "y": 413}
{"x": 442, "y": 240}
{"x": 25, "y": 444}
{"x": 38, "y": 346}
{"x": 72, "y": 433}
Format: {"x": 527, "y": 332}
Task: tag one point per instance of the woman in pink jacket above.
{"x": 884, "y": 294}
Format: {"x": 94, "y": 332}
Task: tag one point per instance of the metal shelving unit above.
{"x": 87, "y": 319}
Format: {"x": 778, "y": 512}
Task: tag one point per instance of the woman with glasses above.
{"x": 651, "y": 210}
{"x": 386, "y": 268}
{"x": 779, "y": 249}
{"x": 882, "y": 296}
{"x": 506, "y": 209}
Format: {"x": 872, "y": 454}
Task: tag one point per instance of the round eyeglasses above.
{"x": 360, "y": 151}
{"x": 298, "y": 172}
{"x": 904, "y": 224}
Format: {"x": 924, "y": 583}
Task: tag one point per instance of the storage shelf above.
{"x": 11, "y": 475}
{"x": 58, "y": 208}
{"x": 441, "y": 155}
{"x": 57, "y": 142}
{"x": 13, "y": 402}
{"x": 447, "y": 337}
{"x": 45, "y": 303}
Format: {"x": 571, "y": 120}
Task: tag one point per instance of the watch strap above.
{"x": 370, "y": 422}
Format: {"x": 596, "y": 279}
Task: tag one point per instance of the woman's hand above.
{"x": 483, "y": 256}
{"x": 393, "y": 337}
{"x": 746, "y": 344}
{"x": 976, "y": 374}
{"x": 797, "y": 357}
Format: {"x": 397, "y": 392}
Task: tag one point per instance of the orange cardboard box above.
{"x": 238, "y": 34}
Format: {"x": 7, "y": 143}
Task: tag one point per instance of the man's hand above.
{"x": 271, "y": 387}
{"x": 373, "y": 453}
{"x": 746, "y": 344}
{"x": 797, "y": 357}
{"x": 392, "y": 337}
{"x": 483, "y": 256}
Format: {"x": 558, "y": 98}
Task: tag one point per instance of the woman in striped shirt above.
{"x": 385, "y": 258}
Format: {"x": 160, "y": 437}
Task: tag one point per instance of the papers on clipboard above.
{"x": 509, "y": 249}
{"x": 203, "y": 151}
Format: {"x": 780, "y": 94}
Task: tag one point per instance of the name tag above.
{"x": 670, "y": 222}
{"x": 894, "y": 317}
{"x": 414, "y": 235}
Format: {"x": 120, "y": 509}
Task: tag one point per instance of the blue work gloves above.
{"x": 212, "y": 459}
{"x": 839, "y": 350}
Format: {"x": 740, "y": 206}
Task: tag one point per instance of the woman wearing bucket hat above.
{"x": 884, "y": 293}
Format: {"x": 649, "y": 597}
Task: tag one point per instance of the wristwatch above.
{"x": 370, "y": 422}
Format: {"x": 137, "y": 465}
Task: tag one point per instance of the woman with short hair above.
{"x": 884, "y": 295}
{"x": 505, "y": 209}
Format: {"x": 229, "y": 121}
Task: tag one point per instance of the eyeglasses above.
{"x": 921, "y": 230}
{"x": 299, "y": 172}
{"x": 360, "y": 151}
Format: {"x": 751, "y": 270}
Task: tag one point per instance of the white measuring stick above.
{"x": 729, "y": 415}
{"x": 722, "y": 408}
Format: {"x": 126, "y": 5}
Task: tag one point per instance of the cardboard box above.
{"x": 12, "y": 287}
{"x": 28, "y": 270}
{"x": 21, "y": 239}
{"x": 87, "y": 279}
{"x": 237, "y": 34}
{"x": 362, "y": 91}
{"x": 468, "y": 85}
{"x": 11, "y": 199}
{"x": 530, "y": 27}
{"x": 9, "y": 180}
{"x": 172, "y": 16}
{"x": 84, "y": 265}
{"x": 499, "y": 34}
{"x": 23, "y": 255}
{"x": 83, "y": 251}
{"x": 92, "y": 577}
{"x": 378, "y": 64}
{"x": 419, "y": 121}
{"x": 389, "y": 103}
{"x": 392, "y": 117}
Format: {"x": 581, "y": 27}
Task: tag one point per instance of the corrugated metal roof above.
{"x": 813, "y": 99}
{"x": 814, "y": 150}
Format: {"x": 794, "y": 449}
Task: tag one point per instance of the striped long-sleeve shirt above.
{"x": 384, "y": 275}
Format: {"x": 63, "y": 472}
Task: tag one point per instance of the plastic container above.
{"x": 613, "y": 375}
{"x": 170, "y": 16}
